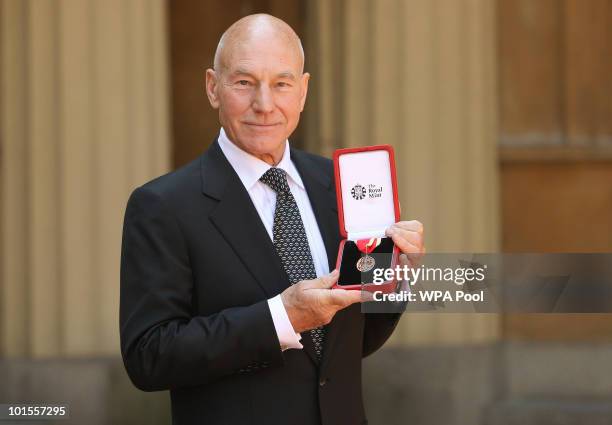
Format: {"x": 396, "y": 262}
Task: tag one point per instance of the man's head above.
{"x": 258, "y": 84}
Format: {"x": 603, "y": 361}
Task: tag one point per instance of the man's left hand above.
{"x": 408, "y": 236}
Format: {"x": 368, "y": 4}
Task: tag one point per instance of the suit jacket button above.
{"x": 322, "y": 382}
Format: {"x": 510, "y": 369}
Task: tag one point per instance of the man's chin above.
{"x": 264, "y": 131}
{"x": 265, "y": 142}
{"x": 262, "y": 145}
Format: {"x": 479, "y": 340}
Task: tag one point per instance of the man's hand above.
{"x": 408, "y": 236}
{"x": 311, "y": 303}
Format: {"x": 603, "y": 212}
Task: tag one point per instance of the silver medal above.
{"x": 365, "y": 264}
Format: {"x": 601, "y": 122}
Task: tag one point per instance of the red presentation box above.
{"x": 366, "y": 190}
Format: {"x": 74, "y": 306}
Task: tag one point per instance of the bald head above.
{"x": 252, "y": 28}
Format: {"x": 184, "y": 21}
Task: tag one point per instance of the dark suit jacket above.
{"x": 197, "y": 268}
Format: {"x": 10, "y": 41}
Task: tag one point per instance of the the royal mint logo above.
{"x": 358, "y": 192}
{"x": 372, "y": 191}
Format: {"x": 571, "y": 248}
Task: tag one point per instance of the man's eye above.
{"x": 283, "y": 84}
{"x": 243, "y": 83}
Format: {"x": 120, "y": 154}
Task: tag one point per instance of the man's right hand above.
{"x": 312, "y": 303}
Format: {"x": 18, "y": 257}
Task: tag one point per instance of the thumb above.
{"x": 327, "y": 281}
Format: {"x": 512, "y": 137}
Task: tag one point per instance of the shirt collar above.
{"x": 250, "y": 168}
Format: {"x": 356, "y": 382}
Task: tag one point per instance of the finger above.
{"x": 411, "y": 259}
{"x": 410, "y": 230}
{"x": 414, "y": 253}
{"x": 413, "y": 225}
{"x": 411, "y": 236}
{"x": 404, "y": 260}
{"x": 344, "y": 297}
{"x": 327, "y": 281}
{"x": 405, "y": 245}
{"x": 366, "y": 296}
{"x": 416, "y": 258}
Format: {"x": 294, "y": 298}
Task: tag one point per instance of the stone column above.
{"x": 419, "y": 75}
{"x": 83, "y": 121}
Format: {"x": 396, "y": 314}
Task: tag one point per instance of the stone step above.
{"x": 557, "y": 371}
{"x": 549, "y": 412}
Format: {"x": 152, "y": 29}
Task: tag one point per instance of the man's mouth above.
{"x": 261, "y": 125}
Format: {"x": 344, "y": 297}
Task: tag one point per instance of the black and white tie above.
{"x": 290, "y": 240}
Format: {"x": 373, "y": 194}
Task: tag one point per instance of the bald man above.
{"x": 225, "y": 264}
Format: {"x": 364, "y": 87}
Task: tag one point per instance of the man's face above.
{"x": 260, "y": 93}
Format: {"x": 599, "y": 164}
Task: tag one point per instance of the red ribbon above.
{"x": 368, "y": 245}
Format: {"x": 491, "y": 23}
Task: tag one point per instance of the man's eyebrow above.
{"x": 287, "y": 74}
{"x": 242, "y": 71}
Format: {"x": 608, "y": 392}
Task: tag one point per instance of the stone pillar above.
{"x": 83, "y": 121}
{"x": 419, "y": 75}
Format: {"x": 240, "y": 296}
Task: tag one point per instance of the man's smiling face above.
{"x": 259, "y": 88}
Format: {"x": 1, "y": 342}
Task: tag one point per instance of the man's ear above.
{"x": 211, "y": 88}
{"x": 304, "y": 84}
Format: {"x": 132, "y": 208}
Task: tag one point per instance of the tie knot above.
{"x": 276, "y": 178}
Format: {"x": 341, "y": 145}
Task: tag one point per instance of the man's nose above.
{"x": 264, "y": 100}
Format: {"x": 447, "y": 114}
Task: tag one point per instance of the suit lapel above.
{"x": 236, "y": 218}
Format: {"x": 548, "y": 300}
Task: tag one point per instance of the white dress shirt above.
{"x": 249, "y": 170}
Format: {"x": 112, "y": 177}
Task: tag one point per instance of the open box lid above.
{"x": 366, "y": 190}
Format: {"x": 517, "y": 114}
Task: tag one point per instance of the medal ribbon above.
{"x": 368, "y": 245}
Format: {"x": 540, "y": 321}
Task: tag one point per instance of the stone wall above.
{"x": 490, "y": 384}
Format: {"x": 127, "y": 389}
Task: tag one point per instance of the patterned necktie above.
{"x": 290, "y": 240}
